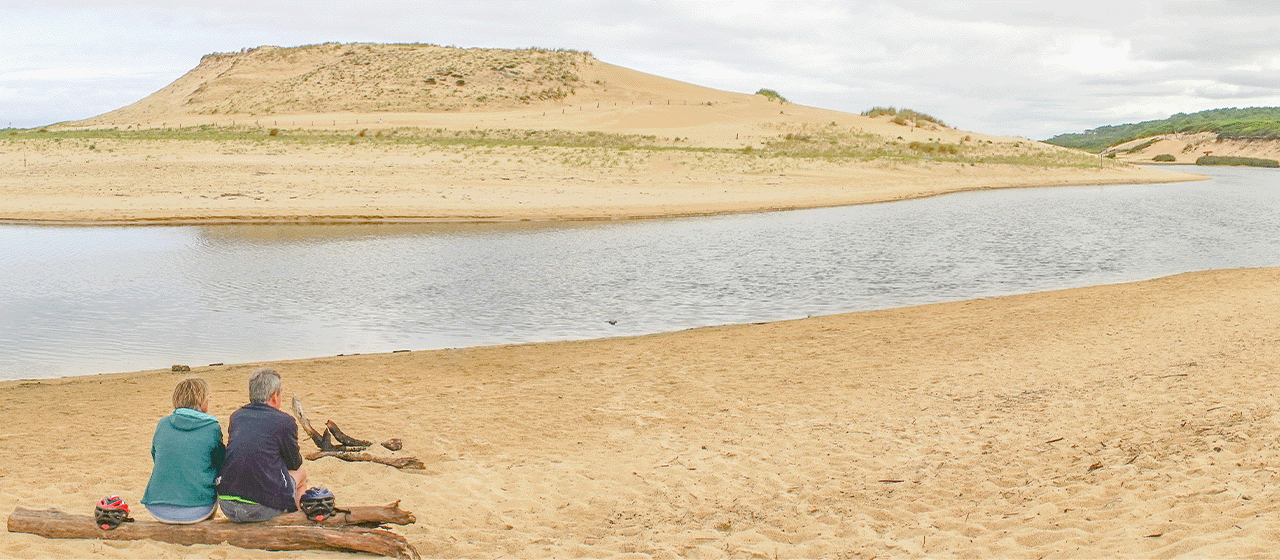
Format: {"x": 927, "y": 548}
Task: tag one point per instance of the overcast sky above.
{"x": 1031, "y": 69}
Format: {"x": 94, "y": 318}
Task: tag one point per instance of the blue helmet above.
{"x": 317, "y": 503}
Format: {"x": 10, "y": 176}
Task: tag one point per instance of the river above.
{"x": 78, "y": 300}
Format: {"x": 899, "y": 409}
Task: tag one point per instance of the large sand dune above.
{"x": 418, "y": 132}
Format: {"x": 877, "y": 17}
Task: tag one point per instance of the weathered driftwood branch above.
{"x": 344, "y": 438}
{"x": 397, "y": 462}
{"x": 304, "y": 536}
{"x": 350, "y": 447}
{"x": 306, "y": 424}
{"x": 322, "y": 440}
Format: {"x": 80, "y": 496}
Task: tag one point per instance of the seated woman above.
{"x": 188, "y": 452}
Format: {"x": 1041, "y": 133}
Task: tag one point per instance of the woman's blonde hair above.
{"x": 190, "y": 393}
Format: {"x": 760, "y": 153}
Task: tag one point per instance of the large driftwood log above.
{"x": 365, "y": 516}
{"x": 304, "y": 536}
{"x": 397, "y": 462}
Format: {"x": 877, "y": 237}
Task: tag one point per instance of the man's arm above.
{"x": 289, "y": 446}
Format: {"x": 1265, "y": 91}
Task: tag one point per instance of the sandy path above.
{"x": 1132, "y": 420}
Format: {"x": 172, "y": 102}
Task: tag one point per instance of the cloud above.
{"x": 1025, "y": 68}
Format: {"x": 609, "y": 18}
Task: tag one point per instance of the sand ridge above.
{"x": 1186, "y": 147}
{"x": 361, "y": 132}
{"x": 204, "y": 181}
{"x": 1131, "y": 420}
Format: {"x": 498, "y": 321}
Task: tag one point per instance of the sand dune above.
{"x": 1187, "y": 147}
{"x": 1131, "y": 420}
{"x": 387, "y": 133}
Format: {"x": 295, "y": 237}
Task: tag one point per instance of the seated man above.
{"x": 262, "y": 476}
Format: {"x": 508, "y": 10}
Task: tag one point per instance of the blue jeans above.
{"x": 181, "y": 515}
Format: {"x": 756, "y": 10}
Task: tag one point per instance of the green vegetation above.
{"x": 832, "y": 143}
{"x": 1142, "y": 146}
{"x": 1226, "y": 160}
{"x": 938, "y": 148}
{"x": 903, "y": 116}
{"x": 772, "y": 95}
{"x": 395, "y": 136}
{"x": 1254, "y": 123}
{"x": 1164, "y": 158}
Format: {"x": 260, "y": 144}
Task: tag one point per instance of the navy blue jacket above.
{"x": 262, "y": 447}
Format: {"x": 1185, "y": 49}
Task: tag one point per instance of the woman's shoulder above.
{"x": 188, "y": 419}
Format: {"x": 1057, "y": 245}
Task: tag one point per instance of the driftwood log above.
{"x": 278, "y": 534}
{"x": 364, "y": 516}
{"x": 331, "y": 431}
{"x": 348, "y": 448}
{"x": 397, "y": 462}
{"x": 344, "y": 439}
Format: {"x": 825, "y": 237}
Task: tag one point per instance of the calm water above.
{"x": 82, "y": 300}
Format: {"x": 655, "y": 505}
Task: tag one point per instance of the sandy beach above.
{"x": 215, "y": 182}
{"x": 1130, "y": 420}
{"x": 1121, "y": 421}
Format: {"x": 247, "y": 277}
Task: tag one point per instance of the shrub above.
{"x": 903, "y": 116}
{"x": 918, "y": 117}
{"x": 771, "y": 95}
{"x": 931, "y": 148}
{"x": 273, "y": 132}
{"x": 1227, "y": 160}
{"x": 1164, "y": 157}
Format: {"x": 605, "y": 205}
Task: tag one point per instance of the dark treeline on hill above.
{"x": 1253, "y": 123}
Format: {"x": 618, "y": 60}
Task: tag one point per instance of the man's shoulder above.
{"x": 260, "y": 412}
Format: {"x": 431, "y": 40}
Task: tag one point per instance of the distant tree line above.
{"x": 1253, "y": 123}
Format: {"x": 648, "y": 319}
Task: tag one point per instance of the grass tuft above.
{"x": 771, "y": 95}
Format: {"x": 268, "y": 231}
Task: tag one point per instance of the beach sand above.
{"x": 214, "y": 182}
{"x": 1133, "y": 420}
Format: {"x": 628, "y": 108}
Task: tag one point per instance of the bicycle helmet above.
{"x": 110, "y": 512}
{"x": 317, "y": 503}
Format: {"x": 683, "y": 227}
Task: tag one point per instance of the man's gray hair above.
{"x": 262, "y": 384}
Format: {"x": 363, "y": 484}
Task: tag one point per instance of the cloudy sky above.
{"x": 1031, "y": 69}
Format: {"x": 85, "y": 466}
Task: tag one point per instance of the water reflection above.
{"x": 78, "y": 300}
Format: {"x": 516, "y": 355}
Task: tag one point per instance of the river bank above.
{"x": 193, "y": 181}
{"x": 1128, "y": 420}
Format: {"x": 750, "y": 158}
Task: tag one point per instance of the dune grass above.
{"x": 829, "y": 143}
{"x": 771, "y": 95}
{"x": 904, "y": 116}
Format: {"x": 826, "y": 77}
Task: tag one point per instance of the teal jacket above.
{"x": 188, "y": 452}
